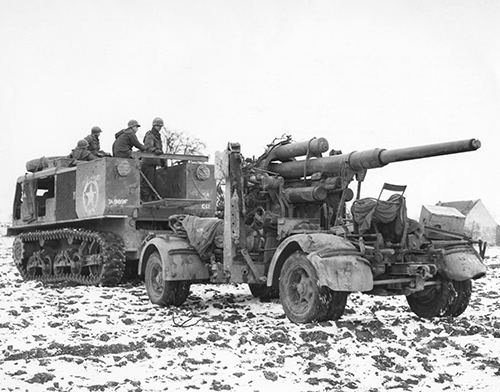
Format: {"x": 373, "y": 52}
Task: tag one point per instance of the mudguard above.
{"x": 338, "y": 264}
{"x": 461, "y": 263}
{"x": 342, "y": 272}
{"x": 180, "y": 261}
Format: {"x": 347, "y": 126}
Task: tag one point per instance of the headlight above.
{"x": 202, "y": 172}
{"x": 124, "y": 168}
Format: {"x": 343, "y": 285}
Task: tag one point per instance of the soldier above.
{"x": 126, "y": 139}
{"x": 153, "y": 144}
{"x": 94, "y": 144}
{"x": 81, "y": 152}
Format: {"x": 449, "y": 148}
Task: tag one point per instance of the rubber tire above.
{"x": 164, "y": 293}
{"x": 433, "y": 301}
{"x": 263, "y": 292}
{"x": 323, "y": 304}
{"x": 460, "y": 298}
{"x": 338, "y": 301}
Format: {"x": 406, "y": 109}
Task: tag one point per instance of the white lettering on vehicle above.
{"x": 117, "y": 202}
{"x": 206, "y": 195}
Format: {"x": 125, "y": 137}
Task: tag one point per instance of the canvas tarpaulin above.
{"x": 202, "y": 233}
{"x": 369, "y": 210}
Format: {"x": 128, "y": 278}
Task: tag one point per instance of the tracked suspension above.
{"x": 70, "y": 255}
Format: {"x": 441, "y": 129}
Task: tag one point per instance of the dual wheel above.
{"x": 447, "y": 298}
{"x": 160, "y": 291}
{"x": 302, "y": 298}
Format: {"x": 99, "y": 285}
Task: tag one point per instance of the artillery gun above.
{"x": 286, "y": 232}
{"x": 84, "y": 222}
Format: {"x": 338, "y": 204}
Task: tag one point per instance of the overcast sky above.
{"x": 361, "y": 74}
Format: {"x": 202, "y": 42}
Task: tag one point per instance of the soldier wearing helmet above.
{"x": 94, "y": 143}
{"x": 81, "y": 152}
{"x": 126, "y": 139}
{"x": 153, "y": 144}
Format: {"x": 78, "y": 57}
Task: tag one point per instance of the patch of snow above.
{"x": 113, "y": 339}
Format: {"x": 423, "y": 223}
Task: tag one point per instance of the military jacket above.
{"x": 94, "y": 144}
{"x": 153, "y": 143}
{"x": 82, "y": 154}
{"x": 124, "y": 141}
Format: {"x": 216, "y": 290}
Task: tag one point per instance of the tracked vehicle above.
{"x": 84, "y": 222}
{"x": 286, "y": 229}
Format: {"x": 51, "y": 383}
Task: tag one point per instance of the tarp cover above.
{"x": 39, "y": 164}
{"x": 368, "y": 210}
{"x": 202, "y": 233}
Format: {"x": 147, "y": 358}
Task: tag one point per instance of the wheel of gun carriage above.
{"x": 446, "y": 298}
{"x": 161, "y": 292}
{"x": 461, "y": 296}
{"x": 263, "y": 292}
{"x": 302, "y": 298}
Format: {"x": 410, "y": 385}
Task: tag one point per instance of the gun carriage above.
{"x": 286, "y": 232}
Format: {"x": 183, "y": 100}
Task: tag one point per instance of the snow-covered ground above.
{"x": 112, "y": 339}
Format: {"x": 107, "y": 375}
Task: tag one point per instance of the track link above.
{"x": 110, "y": 256}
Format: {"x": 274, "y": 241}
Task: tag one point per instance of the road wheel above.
{"x": 161, "y": 292}
{"x": 433, "y": 301}
{"x": 461, "y": 292}
{"x": 302, "y": 299}
{"x": 337, "y": 300}
{"x": 263, "y": 292}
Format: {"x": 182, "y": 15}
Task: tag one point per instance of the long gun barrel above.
{"x": 358, "y": 161}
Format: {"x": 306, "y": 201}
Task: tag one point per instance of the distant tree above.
{"x": 473, "y": 230}
{"x": 178, "y": 142}
{"x": 220, "y": 184}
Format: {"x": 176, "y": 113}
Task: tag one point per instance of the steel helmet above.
{"x": 96, "y": 130}
{"x": 158, "y": 121}
{"x": 133, "y": 123}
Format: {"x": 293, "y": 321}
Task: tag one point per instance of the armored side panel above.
{"x": 65, "y": 196}
{"x": 123, "y": 228}
{"x": 108, "y": 186}
{"x": 189, "y": 180}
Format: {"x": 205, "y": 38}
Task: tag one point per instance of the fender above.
{"x": 338, "y": 264}
{"x": 461, "y": 263}
{"x": 179, "y": 259}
